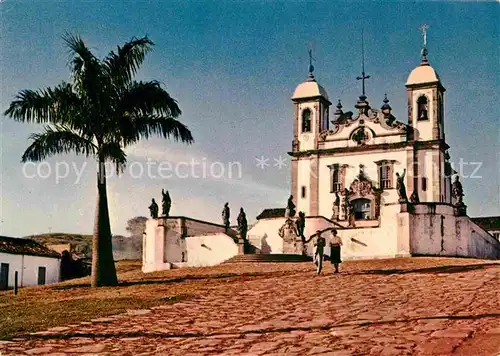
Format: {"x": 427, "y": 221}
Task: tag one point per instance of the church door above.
{"x": 362, "y": 209}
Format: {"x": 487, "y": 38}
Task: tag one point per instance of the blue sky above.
{"x": 232, "y": 66}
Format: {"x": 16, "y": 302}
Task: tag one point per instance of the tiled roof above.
{"x": 25, "y": 247}
{"x": 272, "y": 213}
{"x": 488, "y": 223}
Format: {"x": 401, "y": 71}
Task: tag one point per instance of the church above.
{"x": 387, "y": 186}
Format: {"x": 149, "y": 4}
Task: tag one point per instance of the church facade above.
{"x": 386, "y": 185}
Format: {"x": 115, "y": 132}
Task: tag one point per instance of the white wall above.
{"x": 264, "y": 235}
{"x": 27, "y": 268}
{"x": 210, "y": 250}
{"x": 456, "y": 236}
{"x": 303, "y": 179}
{"x": 164, "y": 244}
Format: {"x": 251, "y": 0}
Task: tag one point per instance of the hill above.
{"x": 123, "y": 247}
{"x": 80, "y": 244}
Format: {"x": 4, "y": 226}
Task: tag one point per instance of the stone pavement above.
{"x": 420, "y": 311}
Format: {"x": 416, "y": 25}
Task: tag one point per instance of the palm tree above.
{"x": 102, "y": 111}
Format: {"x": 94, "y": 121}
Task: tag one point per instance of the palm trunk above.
{"x": 103, "y": 264}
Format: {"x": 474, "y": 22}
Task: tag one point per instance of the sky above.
{"x": 233, "y": 66}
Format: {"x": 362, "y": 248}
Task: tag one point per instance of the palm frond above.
{"x": 133, "y": 128}
{"x": 122, "y": 66}
{"x": 113, "y": 152}
{"x": 87, "y": 71}
{"x": 56, "y": 105}
{"x": 148, "y": 98}
{"x": 57, "y": 139}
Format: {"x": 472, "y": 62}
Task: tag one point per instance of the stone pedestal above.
{"x": 461, "y": 209}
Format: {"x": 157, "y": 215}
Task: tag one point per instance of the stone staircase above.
{"x": 278, "y": 257}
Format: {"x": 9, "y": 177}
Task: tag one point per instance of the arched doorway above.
{"x": 362, "y": 209}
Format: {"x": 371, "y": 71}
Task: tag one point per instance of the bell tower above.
{"x": 311, "y": 117}
{"x": 425, "y": 99}
{"x": 426, "y": 119}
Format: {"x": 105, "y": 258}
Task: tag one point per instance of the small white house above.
{"x": 34, "y": 263}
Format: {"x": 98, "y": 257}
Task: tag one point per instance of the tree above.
{"x": 102, "y": 111}
{"x": 136, "y": 226}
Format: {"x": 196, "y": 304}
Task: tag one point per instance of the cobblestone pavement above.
{"x": 421, "y": 311}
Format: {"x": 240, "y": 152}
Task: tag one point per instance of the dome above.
{"x": 424, "y": 73}
{"x": 309, "y": 89}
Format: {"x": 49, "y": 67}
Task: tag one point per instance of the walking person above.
{"x": 319, "y": 248}
{"x": 335, "y": 249}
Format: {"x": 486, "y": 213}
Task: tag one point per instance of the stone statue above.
{"x": 288, "y": 232}
{"x": 153, "y": 209}
{"x": 166, "y": 203}
{"x": 290, "y": 208}
{"x": 225, "y": 216}
{"x": 400, "y": 187}
{"x": 457, "y": 191}
{"x": 414, "y": 197}
{"x": 350, "y": 214}
{"x": 242, "y": 224}
{"x": 301, "y": 224}
{"x": 336, "y": 207}
{"x": 345, "y": 204}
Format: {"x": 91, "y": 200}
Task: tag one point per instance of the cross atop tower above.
{"x": 311, "y": 59}
{"x": 363, "y": 75}
{"x": 424, "y": 29}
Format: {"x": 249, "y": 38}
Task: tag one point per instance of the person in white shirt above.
{"x": 335, "y": 247}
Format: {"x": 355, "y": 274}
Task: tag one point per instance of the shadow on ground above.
{"x": 163, "y": 280}
{"x": 431, "y": 270}
{"x": 238, "y": 334}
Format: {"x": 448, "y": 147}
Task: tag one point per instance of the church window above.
{"x": 424, "y": 184}
{"x": 326, "y": 124}
{"x": 306, "y": 120}
{"x": 336, "y": 185}
{"x": 385, "y": 178}
{"x": 362, "y": 209}
{"x": 423, "y": 109}
{"x": 303, "y": 192}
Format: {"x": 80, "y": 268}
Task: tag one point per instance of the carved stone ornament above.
{"x": 361, "y": 188}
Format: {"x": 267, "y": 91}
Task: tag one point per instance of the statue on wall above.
{"x": 153, "y": 209}
{"x": 288, "y": 232}
{"x": 301, "y": 224}
{"x": 345, "y": 204}
{"x": 414, "y": 197}
{"x": 242, "y": 224}
{"x": 351, "y": 214}
{"x": 166, "y": 203}
{"x": 225, "y": 216}
{"x": 400, "y": 187}
{"x": 457, "y": 191}
{"x": 336, "y": 207}
{"x": 290, "y": 208}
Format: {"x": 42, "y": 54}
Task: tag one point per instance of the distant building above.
{"x": 490, "y": 224}
{"x": 35, "y": 263}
